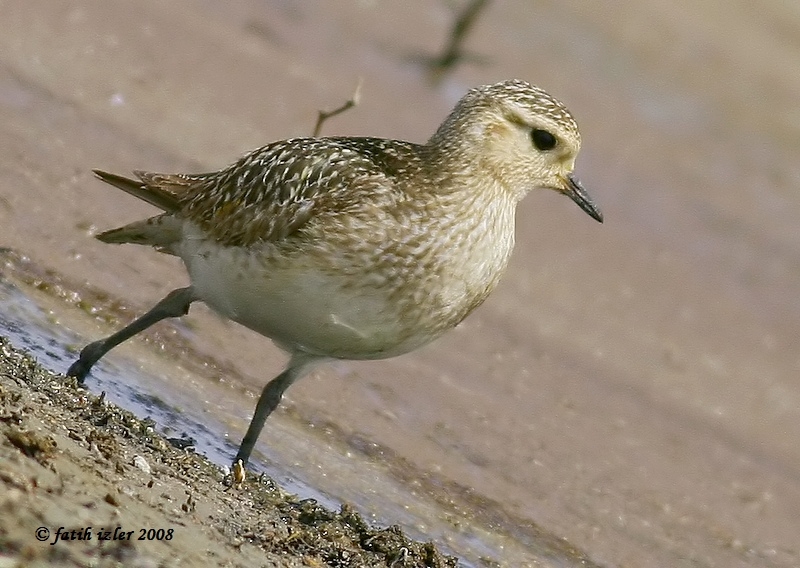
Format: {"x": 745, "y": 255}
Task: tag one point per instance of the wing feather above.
{"x": 269, "y": 194}
{"x": 272, "y": 192}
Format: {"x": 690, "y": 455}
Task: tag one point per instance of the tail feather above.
{"x": 162, "y": 232}
{"x": 144, "y": 189}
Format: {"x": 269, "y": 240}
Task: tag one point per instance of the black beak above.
{"x": 576, "y": 192}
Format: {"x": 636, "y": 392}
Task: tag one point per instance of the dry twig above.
{"x": 453, "y": 52}
{"x": 325, "y": 115}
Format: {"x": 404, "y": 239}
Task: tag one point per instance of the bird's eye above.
{"x": 543, "y": 140}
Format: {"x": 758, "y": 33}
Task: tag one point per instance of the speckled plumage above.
{"x": 359, "y": 248}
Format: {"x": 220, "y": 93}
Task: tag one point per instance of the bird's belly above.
{"x": 300, "y": 306}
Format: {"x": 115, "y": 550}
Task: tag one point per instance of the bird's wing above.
{"x": 155, "y": 189}
{"x": 273, "y": 191}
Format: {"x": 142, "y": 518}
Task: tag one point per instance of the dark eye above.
{"x": 543, "y": 140}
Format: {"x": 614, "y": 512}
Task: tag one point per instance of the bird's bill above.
{"x": 575, "y": 191}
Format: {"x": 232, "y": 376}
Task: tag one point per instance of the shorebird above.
{"x": 354, "y": 248}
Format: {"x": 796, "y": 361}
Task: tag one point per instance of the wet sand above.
{"x": 631, "y": 388}
{"x": 89, "y": 484}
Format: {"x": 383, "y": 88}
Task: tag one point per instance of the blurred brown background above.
{"x": 633, "y": 387}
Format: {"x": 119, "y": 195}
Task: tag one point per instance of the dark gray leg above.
{"x": 270, "y": 397}
{"x": 175, "y": 304}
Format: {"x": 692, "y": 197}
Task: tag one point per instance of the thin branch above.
{"x": 325, "y": 115}
{"x": 453, "y": 52}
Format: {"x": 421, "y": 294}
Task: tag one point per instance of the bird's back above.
{"x": 270, "y": 193}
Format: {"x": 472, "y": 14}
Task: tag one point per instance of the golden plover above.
{"x": 354, "y": 248}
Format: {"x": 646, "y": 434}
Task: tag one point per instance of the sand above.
{"x": 631, "y": 389}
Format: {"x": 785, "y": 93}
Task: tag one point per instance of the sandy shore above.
{"x": 86, "y": 483}
{"x": 630, "y": 390}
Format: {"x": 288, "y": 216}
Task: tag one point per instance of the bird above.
{"x": 353, "y": 248}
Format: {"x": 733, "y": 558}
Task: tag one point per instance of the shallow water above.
{"x": 631, "y": 387}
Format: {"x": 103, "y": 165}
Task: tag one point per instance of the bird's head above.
{"x": 521, "y": 136}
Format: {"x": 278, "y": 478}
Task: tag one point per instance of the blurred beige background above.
{"x": 633, "y": 387}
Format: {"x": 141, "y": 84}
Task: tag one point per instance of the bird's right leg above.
{"x": 299, "y": 365}
{"x": 174, "y": 305}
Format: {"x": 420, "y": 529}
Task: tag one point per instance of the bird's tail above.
{"x": 161, "y": 231}
{"x": 149, "y": 188}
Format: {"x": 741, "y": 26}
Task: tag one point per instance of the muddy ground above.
{"x": 631, "y": 389}
{"x": 71, "y": 460}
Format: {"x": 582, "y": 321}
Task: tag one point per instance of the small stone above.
{"x": 141, "y": 463}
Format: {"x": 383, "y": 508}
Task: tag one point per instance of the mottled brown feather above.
{"x": 273, "y": 191}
